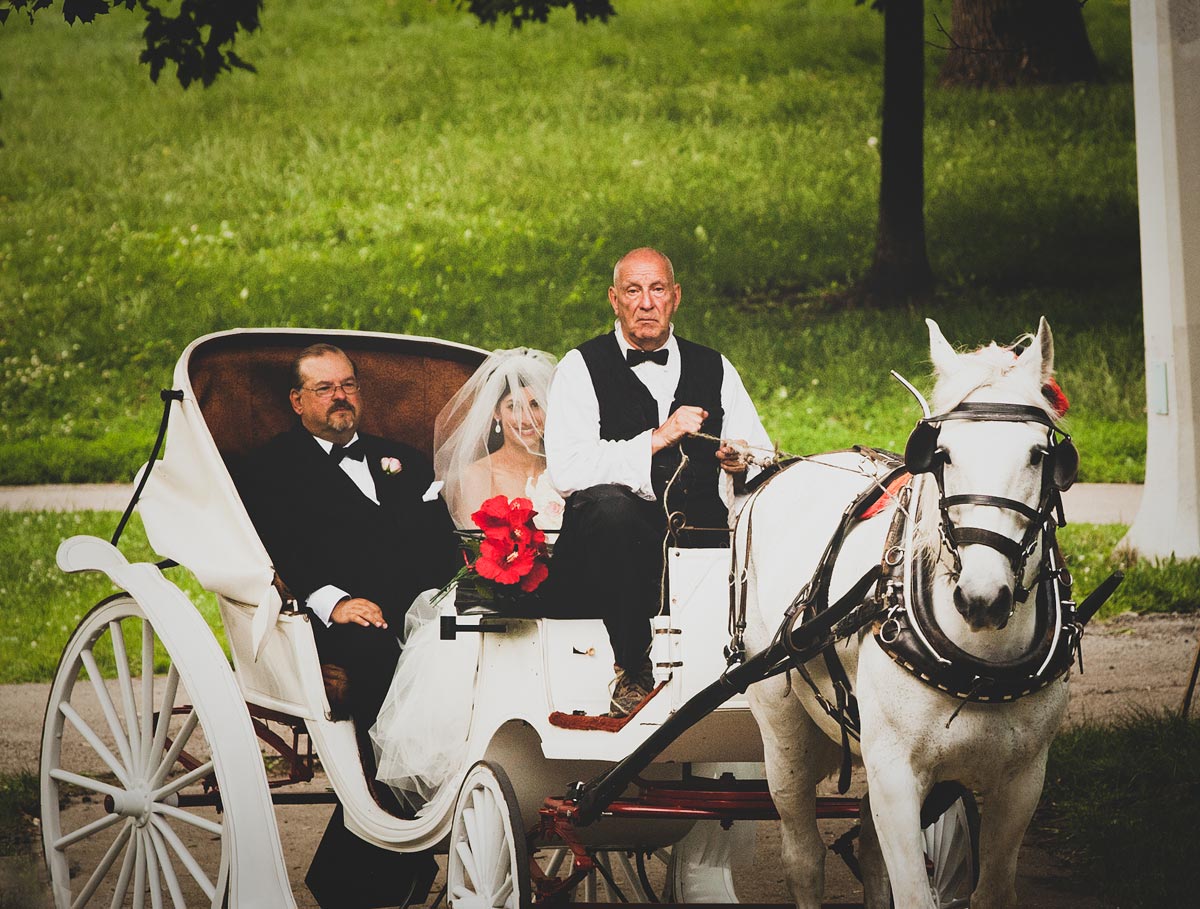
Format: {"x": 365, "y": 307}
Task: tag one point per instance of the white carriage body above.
{"x": 234, "y": 387}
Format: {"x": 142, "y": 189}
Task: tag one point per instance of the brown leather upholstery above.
{"x": 241, "y": 382}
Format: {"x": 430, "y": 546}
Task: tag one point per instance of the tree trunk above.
{"x": 900, "y": 269}
{"x": 1017, "y": 42}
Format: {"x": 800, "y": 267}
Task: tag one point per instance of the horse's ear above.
{"x": 945, "y": 360}
{"x": 1046, "y": 340}
{"x": 1039, "y": 355}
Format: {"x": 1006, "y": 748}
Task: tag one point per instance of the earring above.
{"x": 496, "y": 429}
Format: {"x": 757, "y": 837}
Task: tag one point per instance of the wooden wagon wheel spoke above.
{"x": 127, "y": 867}
{"x": 165, "y": 865}
{"x": 125, "y": 683}
{"x": 102, "y": 750}
{"x": 164, "y": 719}
{"x": 106, "y": 704}
{"x": 87, "y": 830}
{"x": 188, "y": 818}
{"x": 172, "y": 839}
{"x": 106, "y": 864}
{"x": 140, "y": 878}
{"x": 150, "y": 745}
{"x": 154, "y": 873}
{"x": 85, "y": 782}
{"x": 169, "y": 759}
{"x": 182, "y": 782}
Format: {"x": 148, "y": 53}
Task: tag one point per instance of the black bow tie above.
{"x": 633, "y": 356}
{"x": 353, "y": 451}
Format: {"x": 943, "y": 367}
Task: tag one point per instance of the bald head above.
{"x": 644, "y": 297}
{"x": 641, "y": 251}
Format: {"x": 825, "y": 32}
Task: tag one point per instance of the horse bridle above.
{"x": 1060, "y": 464}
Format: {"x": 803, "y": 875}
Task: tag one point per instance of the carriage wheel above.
{"x": 488, "y": 864}
{"x": 637, "y": 874}
{"x": 124, "y": 764}
{"x": 952, "y": 851}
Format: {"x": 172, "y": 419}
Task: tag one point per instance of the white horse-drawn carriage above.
{"x": 154, "y": 783}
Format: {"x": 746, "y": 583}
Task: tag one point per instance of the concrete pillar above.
{"x": 1166, "y": 88}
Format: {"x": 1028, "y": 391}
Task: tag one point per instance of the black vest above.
{"x": 627, "y": 409}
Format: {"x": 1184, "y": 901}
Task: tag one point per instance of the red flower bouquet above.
{"x": 510, "y": 557}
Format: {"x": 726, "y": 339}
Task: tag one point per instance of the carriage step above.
{"x": 601, "y": 722}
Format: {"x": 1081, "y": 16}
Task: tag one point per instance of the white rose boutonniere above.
{"x": 390, "y": 465}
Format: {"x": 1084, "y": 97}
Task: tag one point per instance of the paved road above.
{"x": 1085, "y": 503}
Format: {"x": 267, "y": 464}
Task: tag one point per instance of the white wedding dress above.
{"x": 423, "y": 726}
{"x": 421, "y": 733}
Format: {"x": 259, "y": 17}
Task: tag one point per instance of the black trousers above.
{"x": 368, "y": 655}
{"x": 350, "y": 873}
{"x": 608, "y": 564}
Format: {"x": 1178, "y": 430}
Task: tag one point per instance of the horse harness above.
{"x": 900, "y": 613}
{"x": 907, "y": 631}
{"x": 850, "y": 614}
{"x": 1060, "y": 463}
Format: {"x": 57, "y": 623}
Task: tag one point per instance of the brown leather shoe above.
{"x": 629, "y": 689}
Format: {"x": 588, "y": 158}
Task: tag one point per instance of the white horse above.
{"x": 912, "y": 735}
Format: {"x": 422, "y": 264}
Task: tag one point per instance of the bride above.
{"x": 488, "y": 438}
{"x": 487, "y": 442}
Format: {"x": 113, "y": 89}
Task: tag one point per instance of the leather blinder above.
{"x": 1065, "y": 466}
{"x": 920, "y": 451}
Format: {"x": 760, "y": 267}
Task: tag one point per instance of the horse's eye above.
{"x": 942, "y": 455}
{"x": 1035, "y": 456}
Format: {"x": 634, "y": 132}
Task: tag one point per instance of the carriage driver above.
{"x": 622, "y": 408}
{"x": 353, "y": 534}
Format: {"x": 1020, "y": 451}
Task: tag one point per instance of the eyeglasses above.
{"x": 326, "y": 389}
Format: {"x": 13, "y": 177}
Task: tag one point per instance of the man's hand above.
{"x": 686, "y": 419}
{"x": 359, "y": 611}
{"x": 731, "y": 455}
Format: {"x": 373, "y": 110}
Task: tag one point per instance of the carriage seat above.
{"x": 241, "y": 381}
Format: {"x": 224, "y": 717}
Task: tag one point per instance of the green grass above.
{"x": 1161, "y": 585}
{"x": 18, "y": 803}
{"x": 396, "y": 167}
{"x": 44, "y": 605}
{"x": 19, "y": 884}
{"x": 1120, "y": 801}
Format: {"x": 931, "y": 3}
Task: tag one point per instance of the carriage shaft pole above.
{"x": 804, "y": 642}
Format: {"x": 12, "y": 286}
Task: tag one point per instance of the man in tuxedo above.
{"x": 355, "y": 530}
{"x": 623, "y": 408}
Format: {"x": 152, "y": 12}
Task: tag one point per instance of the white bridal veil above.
{"x": 465, "y": 432}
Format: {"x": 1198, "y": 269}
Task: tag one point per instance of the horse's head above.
{"x": 999, "y": 461}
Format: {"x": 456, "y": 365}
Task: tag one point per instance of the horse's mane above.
{"x": 992, "y": 368}
{"x": 988, "y": 374}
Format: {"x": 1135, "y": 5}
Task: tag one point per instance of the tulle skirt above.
{"x": 421, "y": 733}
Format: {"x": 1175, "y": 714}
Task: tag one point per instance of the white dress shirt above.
{"x": 576, "y": 456}
{"x": 322, "y": 601}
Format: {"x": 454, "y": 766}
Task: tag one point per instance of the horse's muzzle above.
{"x": 984, "y": 612}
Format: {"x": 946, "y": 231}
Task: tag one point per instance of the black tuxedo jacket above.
{"x": 320, "y": 529}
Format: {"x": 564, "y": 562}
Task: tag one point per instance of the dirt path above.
{"x": 1131, "y": 663}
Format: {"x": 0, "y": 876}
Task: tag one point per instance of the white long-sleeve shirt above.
{"x": 578, "y": 458}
